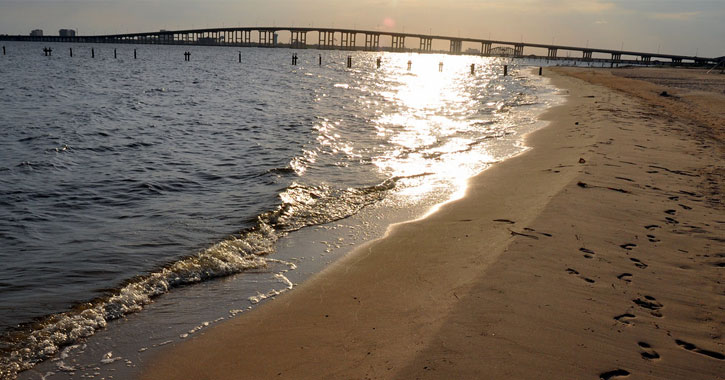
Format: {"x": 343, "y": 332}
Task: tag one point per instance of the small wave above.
{"x": 285, "y": 171}
{"x": 34, "y": 342}
{"x": 138, "y": 144}
{"x": 302, "y": 206}
{"x": 31, "y": 138}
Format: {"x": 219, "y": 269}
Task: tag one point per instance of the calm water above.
{"x": 121, "y": 179}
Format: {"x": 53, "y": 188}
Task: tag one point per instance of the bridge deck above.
{"x": 242, "y": 36}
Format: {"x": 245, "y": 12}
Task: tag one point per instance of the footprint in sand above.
{"x": 652, "y": 239}
{"x": 691, "y": 347}
{"x": 514, "y": 233}
{"x": 651, "y": 226}
{"x": 614, "y": 374}
{"x": 575, "y": 272}
{"x": 628, "y": 246}
{"x": 650, "y": 303}
{"x": 638, "y": 263}
{"x": 627, "y": 277}
{"x": 587, "y": 252}
{"x": 690, "y": 194}
{"x": 530, "y": 236}
{"x": 671, "y": 220}
{"x": 647, "y": 351}
{"x": 625, "y": 318}
{"x": 671, "y": 212}
{"x": 504, "y": 221}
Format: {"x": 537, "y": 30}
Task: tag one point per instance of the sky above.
{"x": 683, "y": 27}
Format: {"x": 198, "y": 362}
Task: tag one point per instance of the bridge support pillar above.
{"x": 456, "y": 46}
{"x": 426, "y": 44}
{"x": 298, "y": 39}
{"x": 486, "y": 48}
{"x": 326, "y": 38}
{"x": 372, "y": 41}
{"x": 347, "y": 39}
{"x": 552, "y": 53}
{"x": 519, "y": 50}
{"x": 646, "y": 59}
{"x": 266, "y": 37}
{"x": 398, "y": 43}
{"x": 616, "y": 57}
{"x": 587, "y": 55}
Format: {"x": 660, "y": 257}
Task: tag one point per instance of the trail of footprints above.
{"x": 654, "y": 307}
{"x": 647, "y": 302}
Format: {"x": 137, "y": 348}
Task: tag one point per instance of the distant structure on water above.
{"x": 371, "y": 40}
{"x": 36, "y": 33}
{"x": 503, "y": 51}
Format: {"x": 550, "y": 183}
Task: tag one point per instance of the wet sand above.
{"x": 596, "y": 254}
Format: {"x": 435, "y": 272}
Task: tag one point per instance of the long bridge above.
{"x": 347, "y": 39}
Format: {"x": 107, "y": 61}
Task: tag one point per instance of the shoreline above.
{"x": 306, "y": 250}
{"x": 534, "y": 255}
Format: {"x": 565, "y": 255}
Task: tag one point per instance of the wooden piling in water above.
{"x": 473, "y": 68}
{"x": 505, "y": 70}
{"x": 541, "y": 70}
{"x": 115, "y": 56}
{"x": 3, "y": 49}
{"x": 379, "y": 61}
{"x": 93, "y": 53}
{"x": 71, "y": 52}
{"x": 240, "y": 57}
{"x": 134, "y": 53}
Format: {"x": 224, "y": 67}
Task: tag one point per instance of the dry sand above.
{"x": 597, "y": 254}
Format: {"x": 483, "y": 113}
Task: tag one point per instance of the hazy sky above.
{"x": 686, "y": 27}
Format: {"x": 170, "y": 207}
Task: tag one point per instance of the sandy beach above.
{"x": 599, "y": 253}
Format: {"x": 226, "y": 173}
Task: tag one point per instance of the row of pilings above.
{"x": 47, "y": 51}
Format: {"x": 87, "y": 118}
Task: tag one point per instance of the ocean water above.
{"x": 124, "y": 179}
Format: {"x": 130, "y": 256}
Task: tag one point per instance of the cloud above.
{"x": 676, "y": 16}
